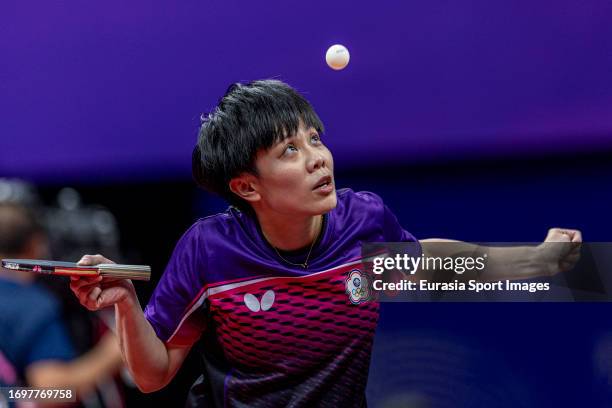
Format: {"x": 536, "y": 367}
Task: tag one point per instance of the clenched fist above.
{"x": 561, "y": 249}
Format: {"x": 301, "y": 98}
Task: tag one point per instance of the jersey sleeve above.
{"x": 384, "y": 218}
{"x": 176, "y": 308}
{"x": 393, "y": 231}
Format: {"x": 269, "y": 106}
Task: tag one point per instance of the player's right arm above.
{"x": 152, "y": 363}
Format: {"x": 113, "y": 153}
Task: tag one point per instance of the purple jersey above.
{"x": 271, "y": 333}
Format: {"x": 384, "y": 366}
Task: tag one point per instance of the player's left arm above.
{"x": 559, "y": 252}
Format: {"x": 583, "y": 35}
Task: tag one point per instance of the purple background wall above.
{"x": 113, "y": 90}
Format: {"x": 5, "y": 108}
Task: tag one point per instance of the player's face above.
{"x": 296, "y": 175}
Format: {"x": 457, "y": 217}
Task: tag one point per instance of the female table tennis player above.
{"x": 261, "y": 288}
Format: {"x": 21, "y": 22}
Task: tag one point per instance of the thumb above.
{"x": 557, "y": 235}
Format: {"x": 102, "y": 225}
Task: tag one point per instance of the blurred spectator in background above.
{"x": 33, "y": 337}
{"x": 74, "y": 229}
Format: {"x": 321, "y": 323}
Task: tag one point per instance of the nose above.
{"x": 316, "y": 161}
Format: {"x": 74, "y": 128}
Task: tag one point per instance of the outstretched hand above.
{"x": 99, "y": 292}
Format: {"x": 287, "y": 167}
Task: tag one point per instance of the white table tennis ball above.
{"x": 337, "y": 57}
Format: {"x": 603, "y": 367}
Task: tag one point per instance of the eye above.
{"x": 315, "y": 139}
{"x": 289, "y": 149}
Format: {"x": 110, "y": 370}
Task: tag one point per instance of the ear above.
{"x": 245, "y": 187}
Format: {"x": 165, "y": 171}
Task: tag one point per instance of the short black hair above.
{"x": 249, "y": 117}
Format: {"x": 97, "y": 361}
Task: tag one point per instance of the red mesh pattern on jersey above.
{"x": 310, "y": 323}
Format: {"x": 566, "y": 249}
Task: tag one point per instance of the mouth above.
{"x": 324, "y": 183}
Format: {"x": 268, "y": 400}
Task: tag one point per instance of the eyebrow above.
{"x": 309, "y": 132}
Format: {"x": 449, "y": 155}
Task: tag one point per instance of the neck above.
{"x": 289, "y": 233}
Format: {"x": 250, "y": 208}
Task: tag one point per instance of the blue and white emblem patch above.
{"x": 357, "y": 287}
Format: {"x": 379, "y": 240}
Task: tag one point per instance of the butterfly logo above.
{"x": 254, "y": 305}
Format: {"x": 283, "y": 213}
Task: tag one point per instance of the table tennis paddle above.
{"x": 137, "y": 272}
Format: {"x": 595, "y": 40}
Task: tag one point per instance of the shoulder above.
{"x": 207, "y": 229}
{"x": 367, "y": 209}
{"x": 364, "y": 202}
{"x": 212, "y": 237}
{"x": 359, "y": 212}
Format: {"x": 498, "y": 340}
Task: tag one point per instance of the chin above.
{"x": 328, "y": 204}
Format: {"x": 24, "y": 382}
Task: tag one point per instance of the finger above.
{"x": 88, "y": 288}
{"x": 78, "y": 283}
{"x": 577, "y": 237}
{"x": 88, "y": 260}
{"x": 94, "y": 294}
{"x": 84, "y": 295}
{"x": 573, "y": 234}
{"x": 558, "y": 236}
{"x": 109, "y": 280}
{"x": 84, "y": 290}
{"x": 89, "y": 298}
{"x": 83, "y": 298}
{"x": 90, "y": 304}
{"x": 103, "y": 300}
{"x": 85, "y": 260}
